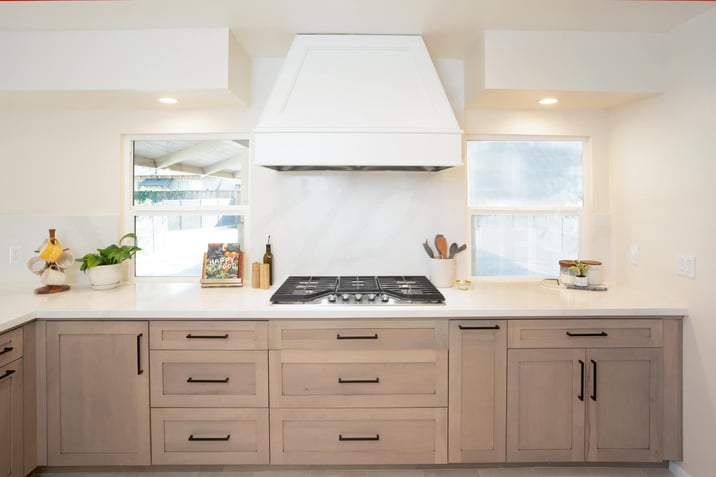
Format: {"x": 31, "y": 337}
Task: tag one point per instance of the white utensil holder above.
{"x": 442, "y": 272}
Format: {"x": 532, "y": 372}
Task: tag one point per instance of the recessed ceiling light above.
{"x": 545, "y": 101}
{"x": 168, "y": 100}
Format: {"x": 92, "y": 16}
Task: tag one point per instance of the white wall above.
{"x": 63, "y": 169}
{"x": 663, "y": 170}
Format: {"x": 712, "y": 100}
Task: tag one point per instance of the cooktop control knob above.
{"x": 371, "y": 296}
{"x": 332, "y": 298}
{"x": 345, "y": 297}
{"x": 384, "y": 298}
{"x": 358, "y": 296}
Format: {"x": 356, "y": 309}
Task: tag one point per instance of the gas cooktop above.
{"x": 358, "y": 290}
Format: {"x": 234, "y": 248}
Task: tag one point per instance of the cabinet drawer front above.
{"x": 10, "y": 346}
{"x": 210, "y": 436}
{"x": 601, "y": 333}
{"x": 396, "y": 378}
{"x": 208, "y": 335}
{"x": 360, "y": 334}
{"x": 359, "y": 436}
{"x": 209, "y": 378}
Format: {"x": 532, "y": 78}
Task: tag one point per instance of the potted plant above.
{"x": 104, "y": 267}
{"x": 580, "y": 271}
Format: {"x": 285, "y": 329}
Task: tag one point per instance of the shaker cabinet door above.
{"x": 623, "y": 405}
{"x": 98, "y": 393}
{"x": 478, "y": 374}
{"x": 11, "y": 423}
{"x": 545, "y": 405}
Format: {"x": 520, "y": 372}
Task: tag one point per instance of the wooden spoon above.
{"x": 441, "y": 245}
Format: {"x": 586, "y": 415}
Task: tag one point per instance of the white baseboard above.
{"x": 677, "y": 470}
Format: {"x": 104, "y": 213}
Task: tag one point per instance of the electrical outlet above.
{"x": 634, "y": 254}
{"x": 15, "y": 254}
{"x": 686, "y": 266}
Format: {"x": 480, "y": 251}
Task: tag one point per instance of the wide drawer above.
{"x": 359, "y": 334}
{"x": 208, "y": 335}
{"x": 331, "y": 378}
{"x": 210, "y": 436}
{"x": 359, "y": 436}
{"x": 10, "y": 346}
{"x": 209, "y": 378}
{"x": 601, "y": 333}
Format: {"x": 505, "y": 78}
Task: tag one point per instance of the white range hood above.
{"x": 364, "y": 102}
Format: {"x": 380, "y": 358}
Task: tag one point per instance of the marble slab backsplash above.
{"x": 328, "y": 223}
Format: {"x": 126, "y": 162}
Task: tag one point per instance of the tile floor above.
{"x": 461, "y": 472}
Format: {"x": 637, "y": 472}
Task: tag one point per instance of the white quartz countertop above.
{"x": 146, "y": 301}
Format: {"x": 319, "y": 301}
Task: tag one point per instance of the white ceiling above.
{"x": 265, "y": 27}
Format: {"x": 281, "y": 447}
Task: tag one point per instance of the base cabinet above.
{"x": 597, "y": 404}
{"x": 97, "y": 393}
{"x": 478, "y": 374}
{"x": 11, "y": 419}
{"x": 209, "y": 393}
{"x": 358, "y": 436}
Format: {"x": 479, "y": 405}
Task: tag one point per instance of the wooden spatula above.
{"x": 441, "y": 245}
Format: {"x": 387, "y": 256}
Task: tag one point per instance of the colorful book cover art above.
{"x": 223, "y": 261}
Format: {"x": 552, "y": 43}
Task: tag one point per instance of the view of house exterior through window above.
{"x": 185, "y": 195}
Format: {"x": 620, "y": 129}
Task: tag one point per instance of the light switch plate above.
{"x": 634, "y": 254}
{"x": 686, "y": 266}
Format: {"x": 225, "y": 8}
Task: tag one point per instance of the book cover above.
{"x": 223, "y": 264}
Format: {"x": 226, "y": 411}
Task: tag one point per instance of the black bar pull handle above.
{"x": 601, "y": 333}
{"x": 207, "y": 337}
{"x": 7, "y": 373}
{"x": 581, "y": 381}
{"x": 192, "y": 380}
{"x": 594, "y": 381}
{"x": 374, "y": 336}
{"x": 496, "y": 327}
{"x": 192, "y": 438}
{"x": 6, "y": 349}
{"x": 345, "y": 381}
{"x": 341, "y": 437}
{"x": 139, "y": 354}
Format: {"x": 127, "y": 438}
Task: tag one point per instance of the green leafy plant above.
{"x": 113, "y": 254}
{"x": 580, "y": 268}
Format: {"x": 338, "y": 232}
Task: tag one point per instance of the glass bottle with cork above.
{"x": 268, "y": 259}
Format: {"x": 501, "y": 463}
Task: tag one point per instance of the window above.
{"x": 526, "y": 201}
{"x": 186, "y": 193}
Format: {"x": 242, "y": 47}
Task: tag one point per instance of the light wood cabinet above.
{"x": 358, "y": 436}
{"x": 210, "y": 436}
{"x": 11, "y": 419}
{"x": 595, "y": 404}
{"x": 358, "y": 392}
{"x": 478, "y": 374}
{"x": 209, "y": 392}
{"x": 545, "y": 405}
{"x": 97, "y": 393}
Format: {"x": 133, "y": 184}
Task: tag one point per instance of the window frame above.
{"x": 131, "y": 211}
{"x": 583, "y": 213}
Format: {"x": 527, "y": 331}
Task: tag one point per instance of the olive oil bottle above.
{"x": 268, "y": 258}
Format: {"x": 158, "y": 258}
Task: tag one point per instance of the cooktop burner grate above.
{"x": 383, "y": 290}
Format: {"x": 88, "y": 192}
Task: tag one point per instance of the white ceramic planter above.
{"x": 581, "y": 281}
{"x": 104, "y": 277}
